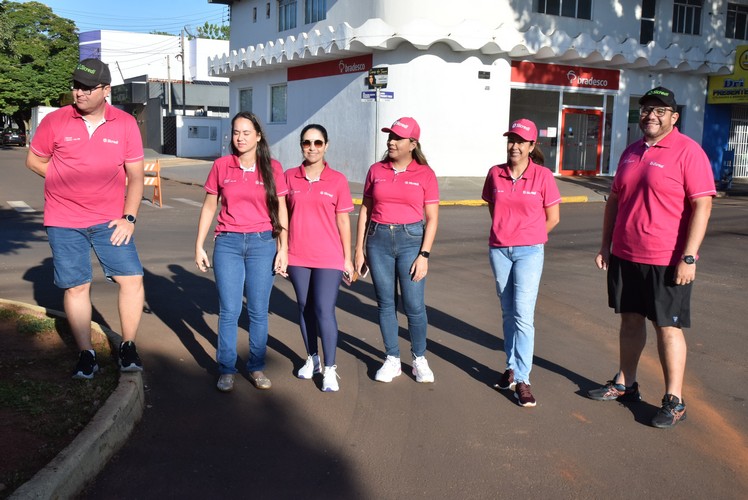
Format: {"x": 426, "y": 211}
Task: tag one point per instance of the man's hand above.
{"x": 122, "y": 233}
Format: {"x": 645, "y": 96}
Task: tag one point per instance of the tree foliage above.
{"x": 38, "y": 51}
{"x": 213, "y": 31}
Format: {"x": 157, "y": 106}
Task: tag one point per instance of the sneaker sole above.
{"x": 525, "y": 405}
{"x": 387, "y": 381}
{"x": 83, "y": 376}
{"x": 428, "y": 380}
{"x": 510, "y": 387}
{"x": 130, "y": 368}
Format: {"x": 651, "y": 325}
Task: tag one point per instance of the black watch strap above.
{"x": 424, "y": 253}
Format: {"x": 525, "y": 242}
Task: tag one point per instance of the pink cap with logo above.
{"x": 405, "y": 127}
{"x": 525, "y": 129}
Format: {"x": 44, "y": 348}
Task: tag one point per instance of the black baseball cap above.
{"x": 92, "y": 72}
{"x": 665, "y": 96}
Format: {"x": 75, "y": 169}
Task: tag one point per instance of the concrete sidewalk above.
{"x": 453, "y": 190}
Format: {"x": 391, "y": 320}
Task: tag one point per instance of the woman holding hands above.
{"x": 398, "y": 219}
{"x": 251, "y": 243}
{"x": 523, "y": 201}
{"x": 319, "y": 250}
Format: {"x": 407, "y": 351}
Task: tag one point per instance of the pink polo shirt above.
{"x": 519, "y": 207}
{"x": 85, "y": 180}
{"x": 400, "y": 198}
{"x": 242, "y": 194}
{"x": 313, "y": 236}
{"x": 654, "y": 186}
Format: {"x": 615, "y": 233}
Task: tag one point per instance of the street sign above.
{"x": 386, "y": 95}
{"x": 368, "y": 96}
{"x": 378, "y": 78}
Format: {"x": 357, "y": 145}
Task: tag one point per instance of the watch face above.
{"x": 129, "y": 218}
{"x": 688, "y": 259}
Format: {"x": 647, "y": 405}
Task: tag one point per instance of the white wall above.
{"x": 210, "y": 132}
{"x": 135, "y": 54}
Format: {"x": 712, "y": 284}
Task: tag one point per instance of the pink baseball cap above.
{"x": 525, "y": 129}
{"x": 405, "y": 127}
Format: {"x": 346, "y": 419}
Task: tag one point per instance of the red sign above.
{"x": 357, "y": 64}
{"x": 565, "y": 76}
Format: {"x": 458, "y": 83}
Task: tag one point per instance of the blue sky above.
{"x": 141, "y": 16}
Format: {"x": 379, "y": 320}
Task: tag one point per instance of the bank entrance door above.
{"x": 581, "y": 141}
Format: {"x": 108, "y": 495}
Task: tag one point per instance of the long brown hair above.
{"x": 265, "y": 165}
{"x": 537, "y": 155}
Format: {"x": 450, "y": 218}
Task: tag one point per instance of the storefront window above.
{"x": 541, "y": 107}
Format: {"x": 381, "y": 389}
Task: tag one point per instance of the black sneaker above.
{"x": 86, "y": 366}
{"x": 612, "y": 391}
{"x": 506, "y": 381}
{"x": 673, "y": 411}
{"x": 524, "y": 395}
{"x": 129, "y": 361}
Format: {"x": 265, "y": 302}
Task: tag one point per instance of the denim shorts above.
{"x": 71, "y": 254}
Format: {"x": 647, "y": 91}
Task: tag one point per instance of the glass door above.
{"x": 581, "y": 141}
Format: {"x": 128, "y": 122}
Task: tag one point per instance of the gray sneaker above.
{"x": 225, "y": 382}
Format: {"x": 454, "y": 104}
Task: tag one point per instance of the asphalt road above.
{"x": 457, "y": 438}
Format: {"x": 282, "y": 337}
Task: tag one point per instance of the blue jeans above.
{"x": 317, "y": 293}
{"x": 243, "y": 264}
{"x": 391, "y": 250}
{"x": 71, "y": 254}
{"x": 517, "y": 271}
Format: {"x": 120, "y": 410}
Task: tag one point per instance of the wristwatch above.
{"x": 424, "y": 253}
{"x": 689, "y": 259}
{"x": 130, "y": 218}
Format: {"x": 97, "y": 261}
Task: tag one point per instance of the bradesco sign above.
{"x": 565, "y": 76}
{"x": 347, "y": 66}
{"x": 731, "y": 89}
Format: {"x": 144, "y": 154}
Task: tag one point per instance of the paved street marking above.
{"x": 189, "y": 202}
{"x": 20, "y": 206}
{"x": 151, "y": 204}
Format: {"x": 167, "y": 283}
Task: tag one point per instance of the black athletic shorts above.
{"x": 650, "y": 291}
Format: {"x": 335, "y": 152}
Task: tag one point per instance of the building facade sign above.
{"x": 335, "y": 67}
{"x": 731, "y": 89}
{"x": 565, "y": 76}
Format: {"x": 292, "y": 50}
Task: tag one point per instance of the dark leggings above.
{"x": 317, "y": 293}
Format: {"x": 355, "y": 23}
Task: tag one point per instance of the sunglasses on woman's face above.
{"x": 308, "y": 144}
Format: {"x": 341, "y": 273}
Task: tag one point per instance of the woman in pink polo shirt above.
{"x": 398, "y": 219}
{"x": 523, "y": 201}
{"x": 319, "y": 249}
{"x": 251, "y": 243}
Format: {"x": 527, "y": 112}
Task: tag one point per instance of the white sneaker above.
{"x": 421, "y": 370}
{"x": 330, "y": 382}
{"x": 310, "y": 367}
{"x": 390, "y": 369}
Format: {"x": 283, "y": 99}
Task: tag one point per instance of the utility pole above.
{"x": 168, "y": 77}
{"x": 184, "y": 87}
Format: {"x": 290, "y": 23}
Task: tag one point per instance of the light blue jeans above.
{"x": 390, "y": 251}
{"x": 518, "y": 271}
{"x": 243, "y": 264}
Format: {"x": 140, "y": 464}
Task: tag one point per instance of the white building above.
{"x": 465, "y": 69}
{"x": 182, "y": 109}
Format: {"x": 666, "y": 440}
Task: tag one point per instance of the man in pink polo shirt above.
{"x": 655, "y": 221}
{"x": 86, "y": 153}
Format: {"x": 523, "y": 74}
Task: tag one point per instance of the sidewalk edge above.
{"x": 75, "y": 466}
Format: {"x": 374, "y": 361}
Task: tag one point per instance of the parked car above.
{"x": 13, "y": 136}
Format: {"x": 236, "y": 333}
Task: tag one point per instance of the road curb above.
{"x": 75, "y": 466}
{"x": 481, "y": 203}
